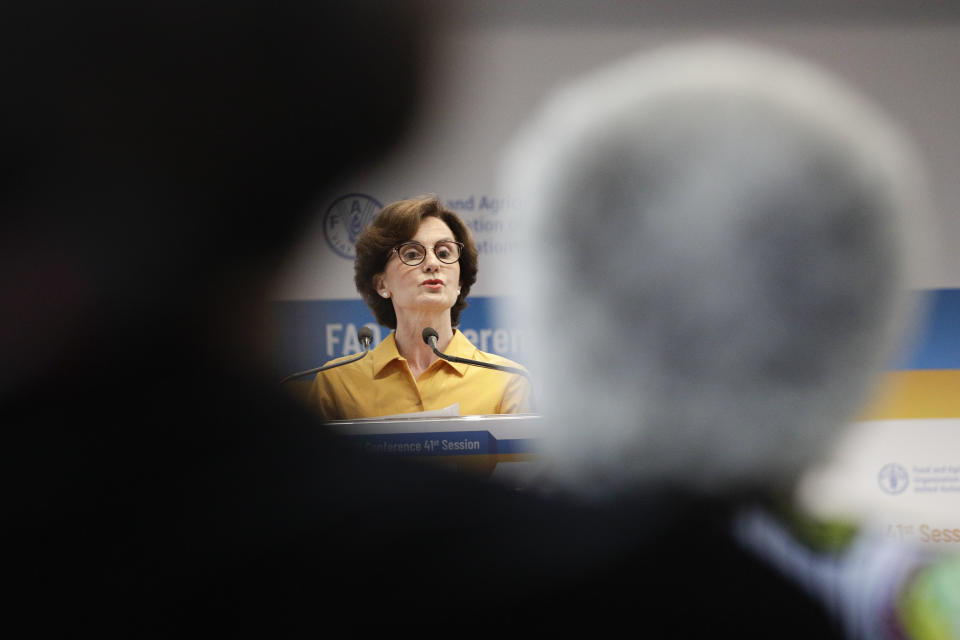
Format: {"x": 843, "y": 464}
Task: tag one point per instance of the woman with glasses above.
{"x": 414, "y": 268}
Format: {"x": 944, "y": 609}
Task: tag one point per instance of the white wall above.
{"x": 494, "y": 61}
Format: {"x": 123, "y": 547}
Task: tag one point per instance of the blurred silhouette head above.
{"x": 158, "y": 158}
{"x": 713, "y": 269}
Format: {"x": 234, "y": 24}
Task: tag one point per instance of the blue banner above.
{"x": 312, "y": 332}
{"x": 445, "y": 443}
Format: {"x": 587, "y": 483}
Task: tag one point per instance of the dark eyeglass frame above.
{"x": 434, "y": 249}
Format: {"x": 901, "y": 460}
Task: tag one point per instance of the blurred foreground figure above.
{"x": 159, "y": 162}
{"x": 715, "y": 268}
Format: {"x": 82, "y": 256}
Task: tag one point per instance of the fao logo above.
{"x": 893, "y": 478}
{"x": 346, "y": 218}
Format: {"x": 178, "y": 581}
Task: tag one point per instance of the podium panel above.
{"x": 499, "y": 446}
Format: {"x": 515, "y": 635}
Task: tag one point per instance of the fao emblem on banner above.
{"x": 345, "y": 218}
{"x": 893, "y": 478}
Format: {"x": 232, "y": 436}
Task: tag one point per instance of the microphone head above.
{"x": 365, "y": 334}
{"x": 429, "y": 334}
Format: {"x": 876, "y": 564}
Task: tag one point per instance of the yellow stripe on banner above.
{"x": 927, "y": 393}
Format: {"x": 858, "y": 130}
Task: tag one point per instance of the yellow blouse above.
{"x": 382, "y": 384}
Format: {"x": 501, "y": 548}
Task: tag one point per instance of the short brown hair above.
{"x": 397, "y": 223}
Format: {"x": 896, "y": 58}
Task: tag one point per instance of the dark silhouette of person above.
{"x": 158, "y": 161}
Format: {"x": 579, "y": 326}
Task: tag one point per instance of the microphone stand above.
{"x": 365, "y": 339}
{"x": 430, "y": 337}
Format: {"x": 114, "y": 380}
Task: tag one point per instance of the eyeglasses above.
{"x": 413, "y": 253}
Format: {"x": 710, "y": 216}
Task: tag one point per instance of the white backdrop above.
{"x": 487, "y": 76}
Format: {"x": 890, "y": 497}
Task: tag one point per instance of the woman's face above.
{"x": 430, "y": 286}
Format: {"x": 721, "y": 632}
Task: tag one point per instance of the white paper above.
{"x": 447, "y": 412}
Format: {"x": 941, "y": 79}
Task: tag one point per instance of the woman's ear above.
{"x": 379, "y": 284}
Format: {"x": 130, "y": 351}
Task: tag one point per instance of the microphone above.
{"x": 430, "y": 337}
{"x": 364, "y": 334}
{"x": 366, "y": 337}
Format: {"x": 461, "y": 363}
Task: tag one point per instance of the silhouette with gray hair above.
{"x": 716, "y": 237}
{"x": 714, "y": 268}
